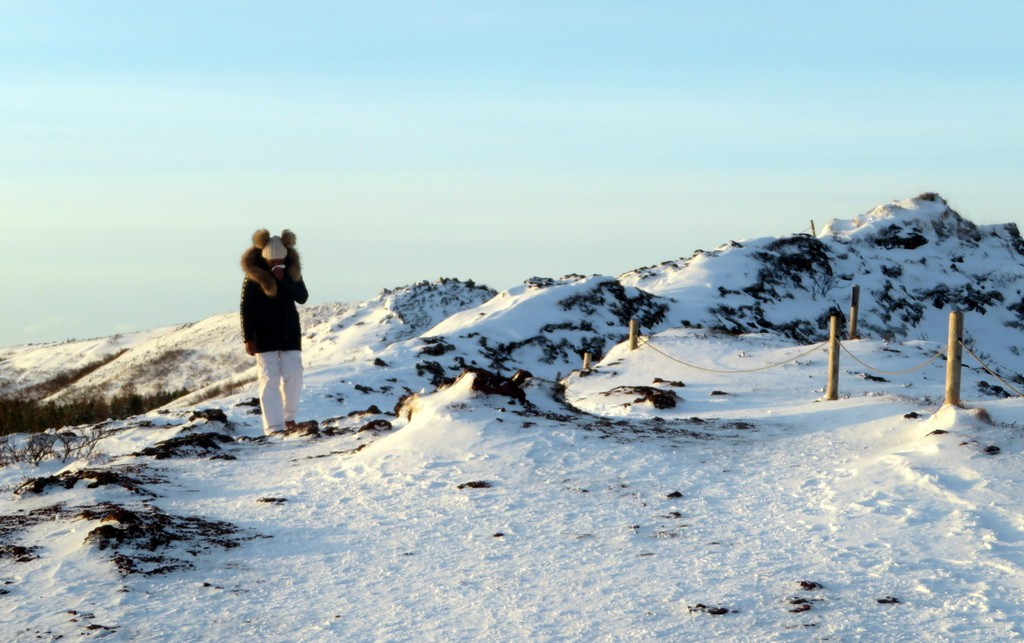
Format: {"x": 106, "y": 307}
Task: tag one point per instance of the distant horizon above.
{"x": 818, "y": 224}
{"x": 145, "y": 141}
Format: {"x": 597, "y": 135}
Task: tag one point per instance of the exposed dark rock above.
{"x": 436, "y": 372}
{"x": 376, "y": 425}
{"x": 659, "y": 398}
{"x": 307, "y": 428}
{"x": 210, "y": 415}
{"x": 896, "y": 236}
{"x": 490, "y": 383}
{"x": 674, "y": 494}
{"x": 18, "y": 553}
{"x": 675, "y": 383}
{"x": 145, "y": 539}
{"x": 992, "y": 450}
{"x": 252, "y": 401}
{"x": 913, "y": 415}
{"x": 269, "y": 500}
{"x": 888, "y": 600}
{"x": 714, "y": 611}
{"x": 435, "y": 346}
{"x": 129, "y": 477}
{"x": 380, "y": 362}
{"x": 520, "y": 377}
{"x": 992, "y": 390}
{"x": 187, "y": 445}
{"x": 810, "y": 585}
{"x": 372, "y": 410}
{"x": 476, "y": 484}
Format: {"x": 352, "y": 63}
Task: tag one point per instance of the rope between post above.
{"x": 715, "y": 370}
{"x": 991, "y": 372}
{"x": 903, "y": 372}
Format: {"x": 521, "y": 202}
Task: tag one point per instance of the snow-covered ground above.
{"x": 615, "y": 521}
{"x": 695, "y": 488}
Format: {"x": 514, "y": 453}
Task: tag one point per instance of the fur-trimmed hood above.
{"x": 256, "y": 269}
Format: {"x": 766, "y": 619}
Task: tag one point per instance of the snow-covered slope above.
{"x": 914, "y": 260}
{"x": 757, "y": 514}
{"x": 696, "y": 488}
{"x": 210, "y": 352}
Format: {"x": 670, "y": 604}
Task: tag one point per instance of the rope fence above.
{"x": 648, "y": 344}
{"x": 952, "y": 352}
{"x": 931, "y": 359}
{"x": 991, "y": 372}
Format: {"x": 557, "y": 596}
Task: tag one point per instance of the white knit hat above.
{"x": 274, "y": 249}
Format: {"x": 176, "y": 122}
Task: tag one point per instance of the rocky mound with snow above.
{"x": 914, "y": 260}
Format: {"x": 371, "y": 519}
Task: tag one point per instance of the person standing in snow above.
{"x": 270, "y": 324}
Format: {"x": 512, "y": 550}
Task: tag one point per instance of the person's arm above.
{"x": 296, "y": 289}
{"x": 246, "y": 315}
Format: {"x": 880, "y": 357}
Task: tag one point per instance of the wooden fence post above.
{"x": 634, "y": 333}
{"x": 854, "y": 307}
{"x": 814, "y": 232}
{"x": 586, "y": 361}
{"x": 954, "y": 357}
{"x": 832, "y": 390}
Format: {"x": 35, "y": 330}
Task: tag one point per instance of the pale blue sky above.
{"x": 141, "y": 143}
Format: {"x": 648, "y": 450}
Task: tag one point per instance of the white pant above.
{"x": 280, "y": 376}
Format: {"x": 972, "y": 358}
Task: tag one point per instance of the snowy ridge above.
{"x": 914, "y": 260}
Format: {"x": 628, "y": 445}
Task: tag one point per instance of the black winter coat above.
{"x": 271, "y": 322}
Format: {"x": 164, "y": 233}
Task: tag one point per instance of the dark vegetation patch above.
{"x": 306, "y": 428}
{"x": 148, "y": 541}
{"x": 275, "y": 501}
{"x": 658, "y": 398}
{"x": 210, "y": 415}
{"x": 195, "y": 444}
{"x": 372, "y": 410}
{"x": 490, "y": 383}
{"x": 435, "y": 346}
{"x": 434, "y": 371}
{"x": 992, "y": 390}
{"x": 364, "y": 389}
{"x": 713, "y": 611}
{"x": 476, "y": 484}
{"x": 64, "y": 379}
{"x": 897, "y": 236}
{"x": 376, "y": 425}
{"x": 130, "y": 477}
{"x": 521, "y": 376}
{"x": 18, "y": 553}
{"x": 23, "y": 415}
{"x": 675, "y": 383}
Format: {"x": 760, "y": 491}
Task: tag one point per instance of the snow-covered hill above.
{"x": 429, "y": 497}
{"x": 914, "y": 260}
